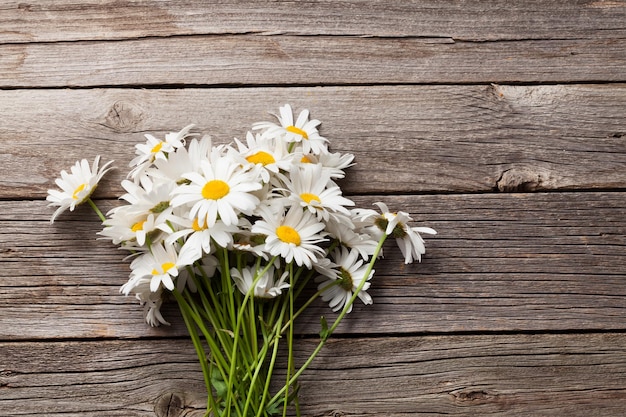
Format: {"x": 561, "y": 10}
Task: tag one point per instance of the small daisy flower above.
{"x": 407, "y": 238}
{"x": 151, "y": 302}
{"x": 303, "y": 131}
{"x": 160, "y": 266}
{"x": 154, "y": 149}
{"x": 313, "y": 189}
{"x": 266, "y": 287}
{"x": 182, "y": 161}
{"x": 222, "y": 190}
{"x": 339, "y": 286}
{"x": 201, "y": 235}
{"x": 76, "y": 186}
{"x": 293, "y": 237}
{"x": 268, "y": 154}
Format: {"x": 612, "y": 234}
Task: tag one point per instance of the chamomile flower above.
{"x": 76, "y": 186}
{"x": 267, "y": 286}
{"x": 160, "y": 266}
{"x": 407, "y": 238}
{"x": 268, "y": 154}
{"x": 154, "y": 149}
{"x": 222, "y": 190}
{"x": 303, "y": 131}
{"x": 181, "y": 161}
{"x": 151, "y": 302}
{"x": 339, "y": 286}
{"x": 201, "y": 235}
{"x": 313, "y": 189}
{"x": 294, "y": 236}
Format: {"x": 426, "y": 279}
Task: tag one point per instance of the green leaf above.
{"x": 324, "y": 334}
{"x": 218, "y": 383}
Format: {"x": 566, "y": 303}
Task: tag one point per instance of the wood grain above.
{"x": 558, "y": 257}
{"x": 488, "y": 375}
{"x": 406, "y": 139}
{"x": 72, "y": 20}
{"x": 320, "y": 60}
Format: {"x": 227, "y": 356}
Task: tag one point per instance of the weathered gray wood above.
{"x": 506, "y": 375}
{"x": 531, "y": 262}
{"x": 309, "y": 60}
{"x": 405, "y": 138}
{"x": 71, "y": 20}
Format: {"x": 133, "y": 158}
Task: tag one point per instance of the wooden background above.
{"x": 500, "y": 124}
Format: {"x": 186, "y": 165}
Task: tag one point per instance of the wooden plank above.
{"x": 531, "y": 262}
{"x": 488, "y": 375}
{"x": 71, "y": 20}
{"x": 309, "y": 60}
{"x": 406, "y": 138}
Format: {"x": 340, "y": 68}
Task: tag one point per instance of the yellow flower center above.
{"x": 288, "y": 235}
{"x": 306, "y": 160}
{"x": 197, "y": 227}
{"x": 164, "y": 267}
{"x": 137, "y": 226}
{"x": 262, "y": 158}
{"x": 297, "y": 131}
{"x": 215, "y": 189}
{"x": 78, "y": 190}
{"x": 157, "y": 147}
{"x": 308, "y": 197}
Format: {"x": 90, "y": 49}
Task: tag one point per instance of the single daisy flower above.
{"x": 407, "y": 238}
{"x": 311, "y": 188}
{"x": 76, "y": 186}
{"x": 267, "y": 286}
{"x": 294, "y": 236}
{"x": 222, "y": 190}
{"x": 160, "y": 266}
{"x": 154, "y": 149}
{"x": 268, "y": 154}
{"x": 303, "y": 131}
{"x": 338, "y": 286}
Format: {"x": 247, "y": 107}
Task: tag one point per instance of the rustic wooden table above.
{"x": 500, "y": 124}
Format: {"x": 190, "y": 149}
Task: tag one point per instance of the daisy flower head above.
{"x": 265, "y": 152}
{"x": 160, "y": 266}
{"x": 339, "y": 286}
{"x": 312, "y": 188}
{"x": 181, "y": 161}
{"x": 266, "y": 286}
{"x": 293, "y": 236}
{"x": 407, "y": 238}
{"x": 303, "y": 131}
{"x": 154, "y": 149}
{"x": 76, "y": 186}
{"x": 222, "y": 190}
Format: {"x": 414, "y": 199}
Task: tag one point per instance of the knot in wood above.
{"x": 523, "y": 179}
{"x": 123, "y": 116}
{"x": 169, "y": 405}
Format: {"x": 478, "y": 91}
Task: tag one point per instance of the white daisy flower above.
{"x": 76, "y": 186}
{"x": 201, "y": 235}
{"x": 160, "y": 266}
{"x": 313, "y": 189}
{"x": 223, "y": 190}
{"x": 151, "y": 302}
{"x": 303, "y": 131}
{"x": 154, "y": 149}
{"x": 268, "y": 154}
{"x": 343, "y": 231}
{"x": 407, "y": 238}
{"x": 266, "y": 287}
{"x": 182, "y": 161}
{"x": 126, "y": 225}
{"x": 293, "y": 237}
{"x": 339, "y": 286}
{"x": 333, "y": 163}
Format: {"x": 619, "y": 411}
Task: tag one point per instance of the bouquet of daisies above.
{"x": 244, "y": 237}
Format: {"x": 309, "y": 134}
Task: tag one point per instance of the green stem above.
{"x": 96, "y": 209}
{"x": 323, "y": 340}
